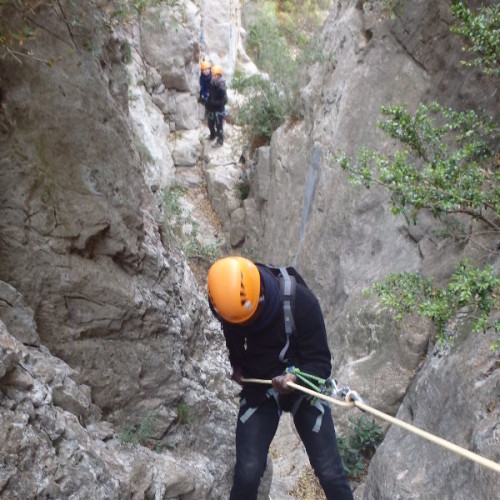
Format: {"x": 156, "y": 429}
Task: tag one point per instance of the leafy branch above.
{"x": 480, "y": 32}
{"x": 471, "y": 291}
{"x": 446, "y": 164}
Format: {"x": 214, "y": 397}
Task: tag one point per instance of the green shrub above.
{"x": 171, "y": 203}
{"x": 184, "y": 414}
{"x": 358, "y": 447}
{"x": 243, "y": 190}
{"x": 445, "y": 165}
{"x": 281, "y": 44}
{"x": 209, "y": 253}
{"x": 266, "y": 107}
{"x": 472, "y": 291}
{"x": 481, "y": 33}
{"x": 140, "y": 433}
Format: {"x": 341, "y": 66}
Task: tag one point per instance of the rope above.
{"x": 203, "y": 44}
{"x": 307, "y": 378}
{"x": 230, "y": 41}
{"x": 353, "y": 400}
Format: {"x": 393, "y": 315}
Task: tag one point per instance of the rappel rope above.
{"x": 352, "y": 399}
{"x": 203, "y": 44}
{"x": 231, "y": 41}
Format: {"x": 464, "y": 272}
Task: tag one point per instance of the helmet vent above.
{"x": 243, "y": 294}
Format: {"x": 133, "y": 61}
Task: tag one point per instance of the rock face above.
{"x": 103, "y": 327}
{"x": 90, "y": 275}
{"x": 455, "y": 397}
{"x": 342, "y": 238}
{"x": 54, "y": 443}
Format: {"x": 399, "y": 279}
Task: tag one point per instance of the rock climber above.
{"x": 245, "y": 297}
{"x": 205, "y": 79}
{"x": 215, "y": 106}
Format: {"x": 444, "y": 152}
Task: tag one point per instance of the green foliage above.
{"x": 280, "y": 42}
{"x": 266, "y": 43}
{"x": 481, "y": 32}
{"x": 127, "y": 58}
{"x": 243, "y": 189}
{"x": 184, "y": 414}
{"x": 266, "y": 106}
{"x": 209, "y": 253}
{"x": 445, "y": 164}
{"x": 472, "y": 291}
{"x": 134, "y": 434}
{"x": 357, "y": 448}
{"x": 171, "y": 200}
{"x": 353, "y": 465}
{"x": 177, "y": 222}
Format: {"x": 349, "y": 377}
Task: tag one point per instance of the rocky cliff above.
{"x": 344, "y": 237}
{"x": 106, "y": 340}
{"x": 105, "y": 335}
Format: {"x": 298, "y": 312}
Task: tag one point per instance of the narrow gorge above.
{"x": 114, "y": 377}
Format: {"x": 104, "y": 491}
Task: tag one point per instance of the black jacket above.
{"x": 217, "y": 98}
{"x": 308, "y": 348}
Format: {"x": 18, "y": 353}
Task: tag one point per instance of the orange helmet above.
{"x": 205, "y": 64}
{"x": 216, "y": 70}
{"x": 234, "y": 288}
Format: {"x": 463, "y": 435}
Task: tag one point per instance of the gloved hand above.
{"x": 237, "y": 375}
{"x": 280, "y": 383}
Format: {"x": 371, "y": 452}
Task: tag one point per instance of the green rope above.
{"x": 323, "y": 386}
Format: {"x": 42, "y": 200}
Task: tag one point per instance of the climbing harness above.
{"x": 323, "y": 386}
{"x": 219, "y": 116}
{"x": 351, "y": 399}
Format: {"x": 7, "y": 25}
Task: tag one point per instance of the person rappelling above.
{"x": 273, "y": 325}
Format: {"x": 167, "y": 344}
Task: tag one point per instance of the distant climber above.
{"x": 246, "y": 298}
{"x": 205, "y": 79}
{"x": 215, "y": 106}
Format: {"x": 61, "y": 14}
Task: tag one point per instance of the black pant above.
{"x": 254, "y": 437}
{"x": 216, "y": 124}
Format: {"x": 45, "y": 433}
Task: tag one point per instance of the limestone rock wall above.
{"x": 106, "y": 324}
{"x": 54, "y": 446}
{"x": 342, "y": 238}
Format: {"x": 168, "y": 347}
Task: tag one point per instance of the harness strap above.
{"x": 287, "y": 290}
{"x": 250, "y": 411}
{"x": 272, "y": 393}
{"x": 319, "y": 405}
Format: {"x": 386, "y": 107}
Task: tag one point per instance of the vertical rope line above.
{"x": 203, "y": 44}
{"x": 231, "y": 41}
